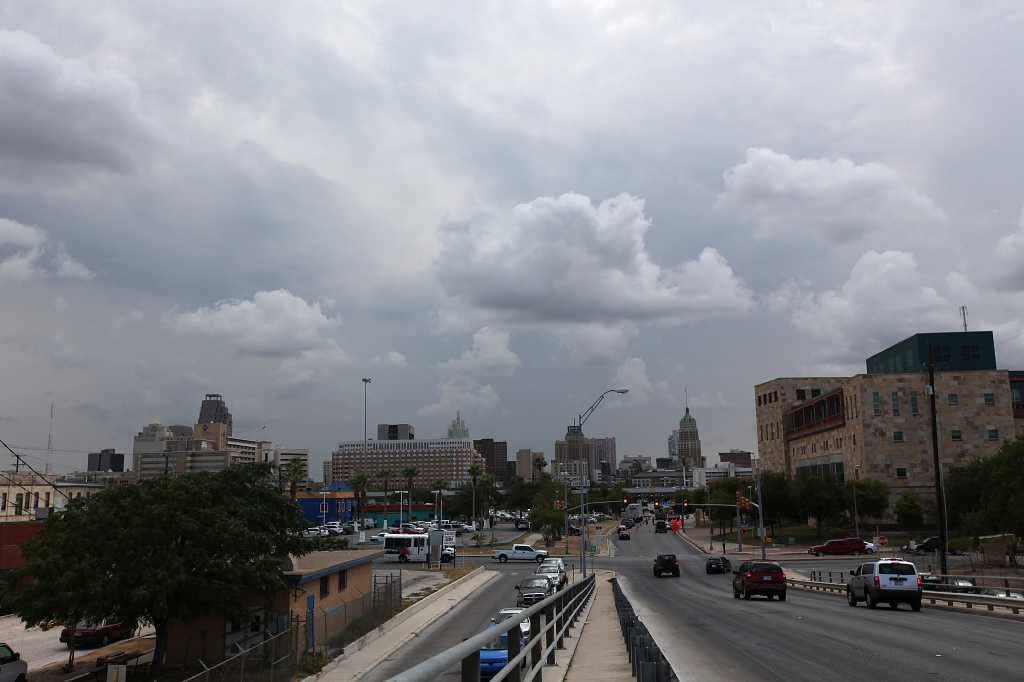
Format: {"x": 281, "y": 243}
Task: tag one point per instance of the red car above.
{"x": 759, "y": 577}
{"x": 95, "y": 634}
{"x": 855, "y": 546}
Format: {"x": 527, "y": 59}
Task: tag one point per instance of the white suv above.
{"x": 890, "y": 580}
{"x": 12, "y": 668}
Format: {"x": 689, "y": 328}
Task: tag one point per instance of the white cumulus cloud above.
{"x": 836, "y": 200}
{"x": 390, "y": 359}
{"x": 489, "y": 354}
{"x": 27, "y": 253}
{"x": 462, "y": 393}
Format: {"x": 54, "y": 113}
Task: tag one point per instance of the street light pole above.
{"x": 940, "y": 497}
{"x": 760, "y": 512}
{"x": 856, "y": 516}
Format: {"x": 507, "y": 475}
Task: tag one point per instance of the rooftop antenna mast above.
{"x": 963, "y": 316}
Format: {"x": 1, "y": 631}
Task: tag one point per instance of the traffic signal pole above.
{"x": 760, "y": 513}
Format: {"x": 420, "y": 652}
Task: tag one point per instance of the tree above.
{"x": 385, "y": 476}
{"x": 294, "y": 471}
{"x": 172, "y": 548}
{"x": 474, "y": 472}
{"x": 359, "y": 483}
{"x": 908, "y": 512}
{"x": 538, "y": 467}
{"x": 823, "y": 498}
{"x": 872, "y": 497}
{"x": 779, "y": 498}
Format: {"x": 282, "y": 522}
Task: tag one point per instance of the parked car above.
{"x": 890, "y": 580}
{"x": 505, "y": 614}
{"x": 448, "y": 555}
{"x": 553, "y": 573}
{"x": 520, "y": 553}
{"x": 661, "y": 526}
{"x": 95, "y": 634}
{"x": 533, "y": 590}
{"x": 315, "y": 532}
{"x": 666, "y": 563}
{"x": 379, "y": 537}
{"x": 759, "y": 577}
{"x": 853, "y": 546}
{"x": 717, "y": 564}
{"x": 12, "y": 668}
{"x": 927, "y": 545}
{"x": 574, "y": 530}
{"x": 522, "y": 524}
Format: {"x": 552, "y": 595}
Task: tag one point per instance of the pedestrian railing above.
{"x": 934, "y": 597}
{"x": 648, "y": 662}
{"x": 550, "y": 621}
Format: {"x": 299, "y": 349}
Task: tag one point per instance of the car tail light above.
{"x": 748, "y": 574}
{"x": 878, "y": 581}
{"x": 919, "y": 581}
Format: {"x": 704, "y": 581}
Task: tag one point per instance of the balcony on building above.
{"x": 820, "y": 414}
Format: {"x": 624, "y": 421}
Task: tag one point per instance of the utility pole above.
{"x": 856, "y": 516}
{"x": 760, "y": 512}
{"x": 739, "y": 535}
{"x": 940, "y": 496}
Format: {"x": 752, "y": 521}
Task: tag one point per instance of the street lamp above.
{"x": 577, "y": 428}
{"x": 400, "y": 498}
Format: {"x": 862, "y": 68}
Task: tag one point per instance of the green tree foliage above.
{"x": 872, "y": 497}
{"x": 359, "y": 484}
{"x": 908, "y": 512}
{"x": 822, "y": 498}
{"x": 294, "y": 472}
{"x": 781, "y": 503}
{"x": 173, "y": 548}
{"x": 410, "y": 474}
{"x": 547, "y": 519}
{"x": 987, "y": 496}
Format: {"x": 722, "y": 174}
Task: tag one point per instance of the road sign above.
{"x": 449, "y": 539}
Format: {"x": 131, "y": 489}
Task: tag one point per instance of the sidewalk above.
{"x": 356, "y": 663}
{"x": 601, "y": 652}
{"x": 698, "y": 537}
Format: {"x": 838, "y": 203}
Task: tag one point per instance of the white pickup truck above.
{"x": 520, "y": 553}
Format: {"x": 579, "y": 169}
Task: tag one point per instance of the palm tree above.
{"x": 385, "y": 475}
{"x": 474, "y": 473}
{"x": 294, "y": 471}
{"x": 410, "y": 473}
{"x": 359, "y": 483}
{"x": 538, "y": 466}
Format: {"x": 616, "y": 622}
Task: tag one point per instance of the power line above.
{"x": 32, "y": 469}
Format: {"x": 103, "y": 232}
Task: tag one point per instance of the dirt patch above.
{"x": 85, "y": 661}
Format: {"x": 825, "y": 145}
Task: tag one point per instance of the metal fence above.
{"x": 272, "y": 660}
{"x": 332, "y": 630}
{"x": 648, "y": 662}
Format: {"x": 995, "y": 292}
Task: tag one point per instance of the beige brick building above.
{"x": 878, "y": 425}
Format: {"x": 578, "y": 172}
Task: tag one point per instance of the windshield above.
{"x": 766, "y": 568}
{"x": 499, "y": 644}
{"x": 542, "y": 583}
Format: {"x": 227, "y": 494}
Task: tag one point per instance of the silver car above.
{"x": 893, "y": 581}
{"x": 553, "y": 573}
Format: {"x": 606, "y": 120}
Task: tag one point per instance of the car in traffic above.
{"x": 554, "y": 561}
{"x": 624, "y": 534}
{"x": 379, "y": 537}
{"x": 844, "y": 546}
{"x": 717, "y": 564}
{"x": 661, "y": 526}
{"x": 12, "y": 668}
{"x": 520, "y": 553}
{"x": 759, "y": 577}
{"x": 574, "y": 530}
{"x": 533, "y": 590}
{"x": 95, "y": 634}
{"x": 666, "y": 564}
{"x": 505, "y": 614}
{"x": 494, "y": 655}
{"x": 893, "y": 581}
{"x": 315, "y": 532}
{"x": 553, "y": 573}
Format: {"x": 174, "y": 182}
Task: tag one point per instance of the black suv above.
{"x": 666, "y": 563}
{"x": 661, "y": 526}
{"x": 717, "y": 564}
{"x": 533, "y": 590}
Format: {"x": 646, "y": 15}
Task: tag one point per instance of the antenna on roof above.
{"x": 963, "y": 315}
{"x": 49, "y": 442}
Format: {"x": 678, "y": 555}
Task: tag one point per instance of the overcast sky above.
{"x": 499, "y": 208}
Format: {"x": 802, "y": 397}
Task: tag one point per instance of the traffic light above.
{"x": 657, "y": 503}
{"x": 686, "y": 506}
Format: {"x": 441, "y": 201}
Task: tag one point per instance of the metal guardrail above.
{"x": 550, "y": 620}
{"x": 927, "y": 596}
{"x": 648, "y": 662}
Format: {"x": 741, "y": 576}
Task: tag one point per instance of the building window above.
{"x": 801, "y": 394}
{"x": 990, "y": 399}
{"x": 897, "y": 436}
{"x": 895, "y": 404}
{"x": 876, "y": 402}
{"x": 953, "y": 399}
{"x": 17, "y": 504}
{"x": 325, "y": 586}
{"x": 901, "y": 472}
{"x": 914, "y": 410}
{"x": 970, "y": 353}
{"x": 815, "y": 392}
{"x": 47, "y": 503}
{"x": 993, "y": 434}
{"x": 759, "y": 401}
{"x": 3, "y": 502}
{"x": 342, "y": 580}
{"x": 956, "y": 434}
{"x": 35, "y": 501}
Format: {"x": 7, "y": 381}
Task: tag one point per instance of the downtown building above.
{"x": 877, "y": 425}
{"x": 526, "y": 459}
{"x": 435, "y": 459}
{"x": 576, "y": 456}
{"x": 495, "y": 456}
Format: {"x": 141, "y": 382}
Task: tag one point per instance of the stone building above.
{"x": 878, "y": 425}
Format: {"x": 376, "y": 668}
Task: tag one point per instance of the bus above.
{"x": 633, "y": 511}
{"x": 404, "y": 547}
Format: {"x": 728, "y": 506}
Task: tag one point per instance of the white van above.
{"x": 405, "y": 548}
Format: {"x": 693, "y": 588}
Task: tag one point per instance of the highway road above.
{"x": 708, "y": 635}
{"x": 469, "y": 618}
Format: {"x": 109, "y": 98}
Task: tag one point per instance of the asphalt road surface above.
{"x": 708, "y": 635}
{"x": 468, "y": 618}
